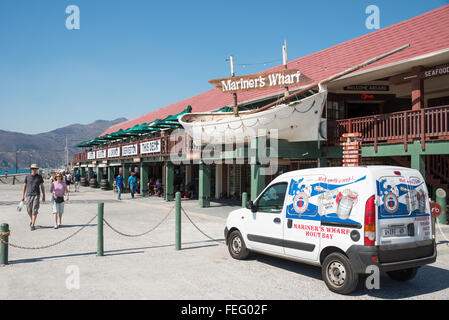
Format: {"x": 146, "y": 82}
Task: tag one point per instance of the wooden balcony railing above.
{"x": 406, "y": 126}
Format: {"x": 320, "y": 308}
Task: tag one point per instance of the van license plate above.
{"x": 394, "y": 232}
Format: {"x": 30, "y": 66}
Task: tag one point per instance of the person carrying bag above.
{"x": 59, "y": 188}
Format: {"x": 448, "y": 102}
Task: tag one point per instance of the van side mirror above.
{"x": 250, "y": 205}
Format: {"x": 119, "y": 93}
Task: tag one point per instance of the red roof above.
{"x": 425, "y": 33}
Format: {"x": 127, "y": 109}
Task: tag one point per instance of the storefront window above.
{"x": 333, "y": 110}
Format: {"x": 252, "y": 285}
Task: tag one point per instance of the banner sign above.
{"x": 130, "y": 150}
{"x": 101, "y": 154}
{"x": 113, "y": 152}
{"x": 91, "y": 155}
{"x": 150, "y": 147}
{"x": 367, "y": 87}
{"x": 261, "y": 81}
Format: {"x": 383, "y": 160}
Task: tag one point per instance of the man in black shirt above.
{"x": 33, "y": 185}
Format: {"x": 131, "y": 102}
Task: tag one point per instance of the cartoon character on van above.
{"x": 320, "y": 200}
{"x": 400, "y": 197}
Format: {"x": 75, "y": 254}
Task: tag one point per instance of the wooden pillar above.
{"x": 418, "y": 162}
{"x": 258, "y": 181}
{"x": 111, "y": 176}
{"x": 322, "y": 162}
{"x": 143, "y": 178}
{"x": 218, "y": 180}
{"x": 125, "y": 171}
{"x": 99, "y": 175}
{"x": 188, "y": 174}
{"x": 169, "y": 181}
{"x": 204, "y": 185}
{"x": 417, "y": 89}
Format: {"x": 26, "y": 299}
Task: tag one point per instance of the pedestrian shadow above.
{"x": 63, "y": 226}
{"x": 38, "y": 227}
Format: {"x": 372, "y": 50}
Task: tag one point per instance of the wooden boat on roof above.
{"x": 295, "y": 121}
{"x": 292, "y": 120}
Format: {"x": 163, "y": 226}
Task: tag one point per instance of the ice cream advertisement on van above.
{"x": 321, "y": 198}
{"x": 401, "y": 197}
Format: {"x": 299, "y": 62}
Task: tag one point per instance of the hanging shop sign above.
{"x": 101, "y": 154}
{"x": 426, "y": 73}
{"x": 435, "y": 71}
{"x": 367, "y": 87}
{"x": 91, "y": 155}
{"x": 130, "y": 150}
{"x": 261, "y": 81}
{"x": 366, "y": 96}
{"x": 153, "y": 146}
{"x": 113, "y": 152}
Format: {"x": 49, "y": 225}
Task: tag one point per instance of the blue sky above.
{"x": 132, "y": 57}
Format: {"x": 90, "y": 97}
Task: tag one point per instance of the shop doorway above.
{"x": 360, "y": 109}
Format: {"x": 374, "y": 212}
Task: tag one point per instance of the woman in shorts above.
{"x": 59, "y": 188}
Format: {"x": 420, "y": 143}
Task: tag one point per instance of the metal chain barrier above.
{"x": 140, "y": 234}
{"x": 207, "y": 236}
{"x": 46, "y": 246}
{"x": 18, "y": 181}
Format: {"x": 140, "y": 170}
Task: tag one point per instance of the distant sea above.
{"x": 13, "y": 171}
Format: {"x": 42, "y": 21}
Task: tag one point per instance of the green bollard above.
{"x": 244, "y": 199}
{"x": 440, "y": 196}
{"x": 4, "y": 227}
{"x": 178, "y": 220}
{"x": 100, "y": 241}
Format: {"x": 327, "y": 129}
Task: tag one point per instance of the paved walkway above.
{"x": 149, "y": 267}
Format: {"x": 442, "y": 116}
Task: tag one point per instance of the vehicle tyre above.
{"x": 338, "y": 274}
{"x": 236, "y": 246}
{"x": 404, "y": 274}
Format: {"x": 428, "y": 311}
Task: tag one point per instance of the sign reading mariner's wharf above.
{"x": 260, "y": 81}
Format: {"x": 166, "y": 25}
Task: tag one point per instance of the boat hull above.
{"x": 297, "y": 121}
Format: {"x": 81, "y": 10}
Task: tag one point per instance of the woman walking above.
{"x": 59, "y": 188}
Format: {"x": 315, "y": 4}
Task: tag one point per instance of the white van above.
{"x": 343, "y": 219}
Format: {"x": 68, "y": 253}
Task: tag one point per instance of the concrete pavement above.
{"x": 149, "y": 267}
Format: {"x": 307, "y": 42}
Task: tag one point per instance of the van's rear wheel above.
{"x": 338, "y": 274}
{"x": 403, "y": 275}
{"x": 236, "y": 246}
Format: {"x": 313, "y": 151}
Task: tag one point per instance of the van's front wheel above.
{"x": 338, "y": 274}
{"x": 236, "y": 246}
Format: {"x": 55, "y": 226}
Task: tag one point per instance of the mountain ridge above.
{"x": 47, "y": 148}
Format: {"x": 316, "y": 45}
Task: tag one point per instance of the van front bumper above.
{"x": 392, "y": 257}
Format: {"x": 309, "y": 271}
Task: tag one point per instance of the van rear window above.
{"x": 401, "y": 197}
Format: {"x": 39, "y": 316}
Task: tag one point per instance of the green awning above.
{"x": 224, "y": 109}
{"x": 175, "y": 117}
{"x": 170, "y": 122}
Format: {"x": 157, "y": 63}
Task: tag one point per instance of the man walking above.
{"x": 77, "y": 180}
{"x": 34, "y": 184}
{"x": 132, "y": 182}
{"x": 119, "y": 185}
